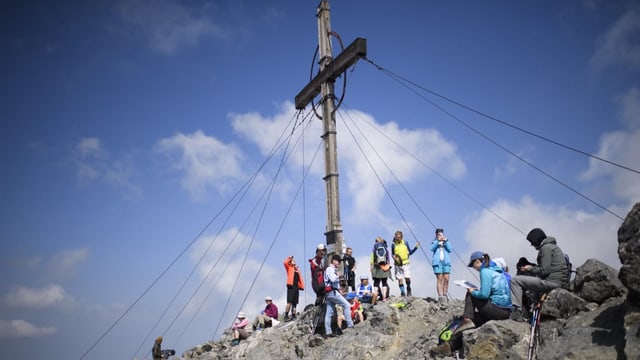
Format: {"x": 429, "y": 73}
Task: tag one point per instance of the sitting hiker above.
{"x": 365, "y": 291}
{"x": 357, "y": 314}
{"x": 492, "y": 299}
{"x": 239, "y": 329}
{"x": 551, "y": 272}
{"x": 268, "y": 317}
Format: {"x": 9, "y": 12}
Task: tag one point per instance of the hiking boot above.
{"x": 466, "y": 324}
{"x": 286, "y": 317}
{"x": 327, "y": 336}
{"x": 518, "y": 315}
{"x": 442, "y": 349}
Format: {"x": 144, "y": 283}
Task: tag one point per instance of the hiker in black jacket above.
{"x": 551, "y": 272}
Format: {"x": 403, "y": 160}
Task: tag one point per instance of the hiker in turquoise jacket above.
{"x": 441, "y": 247}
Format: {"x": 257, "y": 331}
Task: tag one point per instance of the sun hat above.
{"x": 475, "y": 256}
{"x": 500, "y": 262}
{"x": 241, "y": 315}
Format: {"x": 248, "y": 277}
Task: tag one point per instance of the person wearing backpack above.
{"x": 380, "y": 267}
{"x": 441, "y": 248}
{"x": 317, "y": 266}
{"x": 551, "y": 272}
{"x": 401, "y": 252}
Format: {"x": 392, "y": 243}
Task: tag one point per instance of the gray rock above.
{"x": 596, "y": 282}
{"x": 561, "y": 303}
{"x": 629, "y": 254}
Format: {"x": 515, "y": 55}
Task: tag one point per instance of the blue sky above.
{"x": 128, "y": 126}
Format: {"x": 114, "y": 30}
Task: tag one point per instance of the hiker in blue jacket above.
{"x": 492, "y": 299}
{"x": 441, "y": 247}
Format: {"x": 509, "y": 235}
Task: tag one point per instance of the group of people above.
{"x": 500, "y": 296}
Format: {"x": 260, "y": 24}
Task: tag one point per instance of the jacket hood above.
{"x": 548, "y": 240}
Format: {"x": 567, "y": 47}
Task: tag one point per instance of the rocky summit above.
{"x": 598, "y": 318}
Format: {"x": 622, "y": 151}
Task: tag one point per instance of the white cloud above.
{"x": 168, "y": 25}
{"x": 65, "y": 263}
{"x": 94, "y": 163}
{"x": 621, "y": 147}
{"x": 579, "y": 234}
{"x": 427, "y": 145}
{"x": 205, "y": 161}
{"x": 37, "y": 298}
{"x": 23, "y": 329}
{"x": 619, "y": 46}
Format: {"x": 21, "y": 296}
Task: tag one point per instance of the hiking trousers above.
{"x": 519, "y": 283}
{"x": 486, "y": 310}
{"x": 334, "y": 298}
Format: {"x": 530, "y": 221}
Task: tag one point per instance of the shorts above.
{"x": 366, "y": 299}
{"x": 403, "y": 271}
{"x": 293, "y": 295}
{"x": 440, "y": 268}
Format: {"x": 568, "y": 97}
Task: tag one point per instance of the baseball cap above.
{"x": 321, "y": 247}
{"x": 475, "y": 256}
{"x": 500, "y": 262}
{"x": 268, "y": 298}
{"x": 364, "y": 277}
{"x": 241, "y": 315}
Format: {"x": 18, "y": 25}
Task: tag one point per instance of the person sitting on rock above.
{"x": 551, "y": 272}
{"x": 365, "y": 291}
{"x": 492, "y": 299}
{"x": 357, "y": 313}
{"x": 268, "y": 317}
{"x": 239, "y": 329}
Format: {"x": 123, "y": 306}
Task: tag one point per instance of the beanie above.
{"x": 536, "y": 236}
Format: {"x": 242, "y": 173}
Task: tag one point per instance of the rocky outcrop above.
{"x": 629, "y": 253}
{"x": 599, "y": 320}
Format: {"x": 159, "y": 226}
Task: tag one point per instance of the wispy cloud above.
{"x": 619, "y": 45}
{"x": 65, "y": 263}
{"x": 16, "y": 329}
{"x": 204, "y": 161}
{"x": 621, "y": 147}
{"x": 37, "y": 298}
{"x": 95, "y": 164}
{"x": 168, "y": 25}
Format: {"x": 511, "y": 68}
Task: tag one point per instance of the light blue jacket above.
{"x": 436, "y": 253}
{"x": 493, "y": 286}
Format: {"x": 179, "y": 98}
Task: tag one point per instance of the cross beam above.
{"x": 356, "y": 50}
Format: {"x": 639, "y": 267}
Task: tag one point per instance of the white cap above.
{"x": 241, "y": 315}
{"x": 500, "y": 262}
{"x": 321, "y": 247}
{"x": 268, "y": 298}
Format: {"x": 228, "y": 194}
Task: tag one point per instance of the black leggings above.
{"x": 376, "y": 283}
{"x": 486, "y": 310}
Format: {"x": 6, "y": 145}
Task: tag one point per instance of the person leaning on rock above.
{"x": 551, "y": 272}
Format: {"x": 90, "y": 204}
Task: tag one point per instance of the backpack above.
{"x": 447, "y": 333}
{"x": 569, "y": 268}
{"x": 317, "y": 277}
{"x": 380, "y": 253}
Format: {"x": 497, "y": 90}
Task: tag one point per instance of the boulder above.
{"x": 629, "y": 254}
{"x": 561, "y": 303}
{"x": 596, "y": 282}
